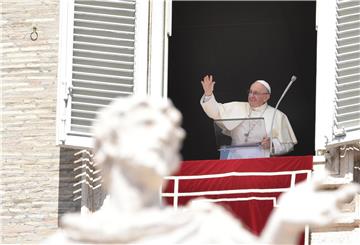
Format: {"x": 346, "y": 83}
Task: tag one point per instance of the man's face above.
{"x": 258, "y": 95}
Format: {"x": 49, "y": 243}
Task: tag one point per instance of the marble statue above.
{"x": 137, "y": 143}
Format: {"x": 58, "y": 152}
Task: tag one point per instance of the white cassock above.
{"x": 283, "y": 135}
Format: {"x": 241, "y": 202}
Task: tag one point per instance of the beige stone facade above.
{"x": 37, "y": 181}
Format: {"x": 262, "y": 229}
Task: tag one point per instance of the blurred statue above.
{"x": 137, "y": 143}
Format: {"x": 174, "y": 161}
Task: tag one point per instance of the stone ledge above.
{"x": 347, "y": 222}
{"x": 336, "y": 237}
{"x": 319, "y": 160}
{"x": 332, "y": 181}
{"x": 335, "y": 182}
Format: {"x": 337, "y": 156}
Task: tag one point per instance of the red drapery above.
{"x": 252, "y": 208}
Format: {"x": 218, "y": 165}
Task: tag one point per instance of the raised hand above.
{"x": 208, "y": 85}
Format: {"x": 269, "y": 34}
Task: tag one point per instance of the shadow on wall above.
{"x": 79, "y": 182}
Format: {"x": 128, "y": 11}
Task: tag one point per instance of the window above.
{"x": 338, "y": 73}
{"x": 106, "y": 51}
{"x": 347, "y": 101}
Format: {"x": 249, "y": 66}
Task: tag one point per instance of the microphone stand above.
{"x": 293, "y": 78}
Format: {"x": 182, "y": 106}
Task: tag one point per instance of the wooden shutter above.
{"x": 96, "y": 62}
{"x": 107, "y": 49}
{"x": 103, "y": 58}
{"x": 347, "y": 103}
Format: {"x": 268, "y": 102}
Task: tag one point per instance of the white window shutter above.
{"x": 102, "y": 50}
{"x": 325, "y": 72}
{"x": 347, "y": 102}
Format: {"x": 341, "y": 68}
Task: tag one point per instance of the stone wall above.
{"x": 37, "y": 177}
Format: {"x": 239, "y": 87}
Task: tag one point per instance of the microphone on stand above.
{"x": 292, "y": 80}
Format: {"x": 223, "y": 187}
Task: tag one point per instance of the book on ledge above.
{"x": 239, "y": 138}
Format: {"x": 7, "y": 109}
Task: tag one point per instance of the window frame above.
{"x": 326, "y": 133}
{"x": 150, "y": 71}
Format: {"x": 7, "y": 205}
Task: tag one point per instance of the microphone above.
{"x": 292, "y": 80}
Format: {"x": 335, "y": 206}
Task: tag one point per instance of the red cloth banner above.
{"x": 248, "y": 188}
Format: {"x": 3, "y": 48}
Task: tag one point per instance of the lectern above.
{"x": 240, "y": 138}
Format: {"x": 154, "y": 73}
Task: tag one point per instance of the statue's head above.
{"x": 140, "y": 137}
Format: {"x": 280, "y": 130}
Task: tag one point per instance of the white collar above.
{"x": 260, "y": 108}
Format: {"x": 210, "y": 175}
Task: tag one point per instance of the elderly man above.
{"x": 283, "y": 137}
{"x": 133, "y": 168}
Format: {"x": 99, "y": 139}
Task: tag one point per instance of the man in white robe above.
{"x": 133, "y": 169}
{"x": 283, "y": 137}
